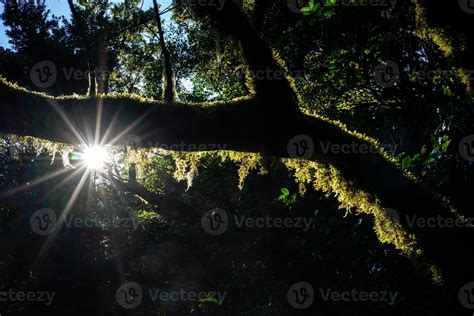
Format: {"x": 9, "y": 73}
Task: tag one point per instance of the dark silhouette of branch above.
{"x": 87, "y": 49}
{"x": 169, "y": 84}
{"x": 169, "y": 207}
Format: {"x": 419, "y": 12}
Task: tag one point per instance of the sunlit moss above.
{"x": 39, "y": 146}
{"x": 145, "y": 215}
{"x": 328, "y": 180}
{"x": 248, "y": 5}
{"x": 426, "y": 30}
{"x": 187, "y": 165}
{"x": 246, "y": 163}
{"x": 465, "y": 79}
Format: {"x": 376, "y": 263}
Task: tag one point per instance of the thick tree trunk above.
{"x": 92, "y": 89}
{"x": 169, "y": 84}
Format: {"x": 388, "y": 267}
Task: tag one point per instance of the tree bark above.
{"x": 169, "y": 83}
{"x": 92, "y": 89}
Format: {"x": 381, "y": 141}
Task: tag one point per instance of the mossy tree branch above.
{"x": 264, "y": 123}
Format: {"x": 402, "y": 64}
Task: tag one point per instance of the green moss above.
{"x": 328, "y": 180}
{"x": 426, "y": 30}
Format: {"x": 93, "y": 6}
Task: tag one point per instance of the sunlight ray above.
{"x": 34, "y": 182}
{"x": 67, "y": 179}
{"x": 61, "y": 113}
{"x": 132, "y": 125}
{"x": 109, "y": 128}
{"x": 47, "y": 244}
{"x": 98, "y": 120}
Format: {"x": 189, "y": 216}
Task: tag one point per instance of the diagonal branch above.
{"x": 169, "y": 207}
{"x": 244, "y": 125}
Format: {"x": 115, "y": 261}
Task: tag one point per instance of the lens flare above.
{"x": 95, "y": 157}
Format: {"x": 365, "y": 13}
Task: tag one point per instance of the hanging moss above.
{"x": 426, "y": 30}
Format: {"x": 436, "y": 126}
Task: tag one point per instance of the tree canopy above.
{"x": 179, "y": 116}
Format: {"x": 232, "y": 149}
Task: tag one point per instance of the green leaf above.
{"x": 429, "y": 161}
{"x": 407, "y": 162}
{"x": 285, "y": 191}
{"x": 447, "y": 91}
{"x": 423, "y": 150}
{"x": 328, "y": 14}
{"x": 445, "y": 145}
